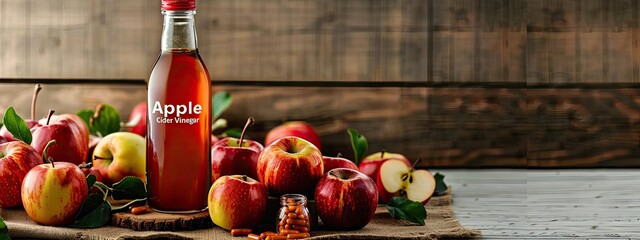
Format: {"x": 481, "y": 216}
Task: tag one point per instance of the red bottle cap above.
{"x": 170, "y": 5}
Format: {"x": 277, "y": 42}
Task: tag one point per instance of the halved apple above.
{"x": 396, "y": 179}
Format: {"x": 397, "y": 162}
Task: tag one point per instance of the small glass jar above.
{"x": 293, "y": 216}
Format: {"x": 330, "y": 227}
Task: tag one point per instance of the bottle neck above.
{"x": 179, "y": 31}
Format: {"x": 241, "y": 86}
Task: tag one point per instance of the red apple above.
{"x": 92, "y": 170}
{"x": 396, "y": 179}
{"x": 4, "y": 132}
{"x": 229, "y": 158}
{"x": 237, "y": 201}
{"x": 337, "y": 162}
{"x": 8, "y": 137}
{"x": 72, "y": 144}
{"x": 346, "y": 199}
{"x": 16, "y": 159}
{"x": 53, "y": 193}
{"x": 93, "y": 142}
{"x": 74, "y": 121}
{"x": 296, "y": 129}
{"x": 3, "y": 140}
{"x": 290, "y": 165}
{"x": 214, "y": 139}
{"x": 232, "y": 156}
{"x": 370, "y": 165}
{"x": 138, "y": 119}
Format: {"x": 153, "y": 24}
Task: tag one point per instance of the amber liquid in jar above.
{"x": 179, "y": 124}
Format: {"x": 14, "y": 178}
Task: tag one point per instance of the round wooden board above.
{"x": 155, "y": 221}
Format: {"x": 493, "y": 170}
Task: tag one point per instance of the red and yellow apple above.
{"x": 294, "y": 129}
{"x": 396, "y": 179}
{"x": 290, "y": 165}
{"x": 16, "y": 159}
{"x": 53, "y": 193}
{"x": 228, "y": 157}
{"x": 370, "y": 165}
{"x": 237, "y": 201}
{"x": 120, "y": 154}
{"x": 346, "y": 199}
{"x": 337, "y": 162}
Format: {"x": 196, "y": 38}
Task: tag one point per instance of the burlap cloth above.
{"x": 440, "y": 224}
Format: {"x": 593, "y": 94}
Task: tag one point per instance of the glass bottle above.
{"x": 293, "y": 214}
{"x": 179, "y": 117}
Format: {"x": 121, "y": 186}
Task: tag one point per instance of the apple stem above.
{"x": 101, "y": 158}
{"x": 36, "y": 90}
{"x": 246, "y": 125}
{"x": 415, "y": 163}
{"x": 51, "y": 111}
{"x": 339, "y": 155}
{"x": 44, "y": 153}
{"x": 96, "y": 114}
{"x": 103, "y": 188}
{"x": 382, "y": 153}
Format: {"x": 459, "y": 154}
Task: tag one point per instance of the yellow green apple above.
{"x": 237, "y": 201}
{"x": 120, "y": 154}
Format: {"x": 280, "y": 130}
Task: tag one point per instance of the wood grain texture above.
{"x": 446, "y": 127}
{"x": 581, "y": 127}
{"x": 155, "y": 221}
{"x": 547, "y": 204}
{"x": 449, "y": 41}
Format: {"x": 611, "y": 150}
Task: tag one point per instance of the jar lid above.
{"x": 170, "y": 5}
{"x": 293, "y": 198}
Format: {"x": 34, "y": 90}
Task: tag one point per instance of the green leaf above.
{"x": 234, "y": 133}
{"x": 358, "y": 144}
{"x": 441, "y": 187}
{"x": 91, "y": 179}
{"x": 17, "y": 126}
{"x": 220, "y": 102}
{"x": 94, "y": 212}
{"x": 412, "y": 211}
{"x": 3, "y": 226}
{"x": 220, "y": 123}
{"x": 107, "y": 121}
{"x": 4, "y": 235}
{"x": 86, "y": 114}
{"x": 129, "y": 188}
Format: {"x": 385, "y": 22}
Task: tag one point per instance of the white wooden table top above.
{"x": 548, "y": 204}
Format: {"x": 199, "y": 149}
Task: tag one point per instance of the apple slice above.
{"x": 396, "y": 179}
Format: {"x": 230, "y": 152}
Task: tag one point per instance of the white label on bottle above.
{"x": 172, "y": 113}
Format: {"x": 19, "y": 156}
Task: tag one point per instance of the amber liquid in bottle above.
{"x": 178, "y": 129}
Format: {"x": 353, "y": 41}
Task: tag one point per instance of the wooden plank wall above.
{"x": 458, "y": 83}
{"x": 446, "y": 127}
{"x": 515, "y": 41}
